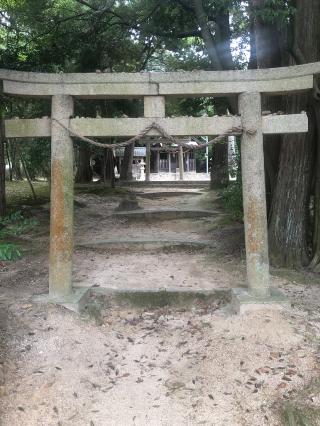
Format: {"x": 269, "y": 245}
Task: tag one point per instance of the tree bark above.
{"x": 15, "y": 161}
{"x": 267, "y": 53}
{"x": 126, "y": 169}
{"x": 219, "y": 52}
{"x": 207, "y": 35}
{"x": 289, "y": 230}
{"x": 2, "y": 172}
{"x": 84, "y": 170}
{"x": 108, "y": 167}
{"x": 219, "y": 168}
{"x": 25, "y": 169}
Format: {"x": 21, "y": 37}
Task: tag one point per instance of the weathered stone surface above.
{"x": 254, "y": 195}
{"x": 28, "y": 128}
{"x": 243, "y": 301}
{"x": 163, "y": 214}
{"x": 94, "y": 90}
{"x": 178, "y": 126}
{"x": 215, "y": 88}
{"x": 291, "y": 123}
{"x": 159, "y": 77}
{"x": 277, "y": 80}
{"x": 154, "y": 106}
{"x": 61, "y": 213}
{"x": 75, "y": 301}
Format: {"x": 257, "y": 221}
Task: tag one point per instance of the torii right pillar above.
{"x": 259, "y": 291}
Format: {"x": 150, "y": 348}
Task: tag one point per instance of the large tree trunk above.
{"x": 315, "y": 263}
{"x": 84, "y": 170}
{"x": 267, "y": 53}
{"x": 108, "y": 167}
{"x": 2, "y": 172}
{"x": 219, "y": 52}
{"x": 126, "y": 168}
{"x": 219, "y": 167}
{"x": 289, "y": 221}
{"x": 15, "y": 160}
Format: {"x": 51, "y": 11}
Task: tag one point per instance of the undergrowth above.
{"x": 300, "y": 409}
{"x": 19, "y": 194}
{"x": 231, "y": 198}
{"x": 13, "y": 225}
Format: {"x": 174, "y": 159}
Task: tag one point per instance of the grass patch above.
{"x": 300, "y": 416}
{"x": 19, "y": 193}
{"x": 11, "y": 226}
{"x": 303, "y": 277}
{"x": 299, "y": 411}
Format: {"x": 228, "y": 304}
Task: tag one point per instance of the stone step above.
{"x": 153, "y": 299}
{"x": 165, "y": 194}
{"x": 163, "y": 214}
{"x": 145, "y": 244}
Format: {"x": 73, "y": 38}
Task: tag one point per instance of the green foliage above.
{"x": 15, "y": 224}
{"x": 19, "y": 194}
{"x": 299, "y": 416}
{"x": 9, "y": 252}
{"x": 11, "y": 226}
{"x": 276, "y": 12}
{"x": 231, "y": 198}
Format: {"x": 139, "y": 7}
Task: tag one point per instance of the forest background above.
{"x": 170, "y": 35}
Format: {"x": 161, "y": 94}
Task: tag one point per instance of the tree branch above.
{"x": 85, "y": 3}
{"x": 97, "y": 11}
{"x": 185, "y": 4}
{"x": 184, "y": 34}
{"x": 206, "y": 35}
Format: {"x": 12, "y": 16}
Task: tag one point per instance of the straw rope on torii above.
{"x": 232, "y": 131}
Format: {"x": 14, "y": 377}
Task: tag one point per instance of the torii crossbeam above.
{"x": 154, "y": 88}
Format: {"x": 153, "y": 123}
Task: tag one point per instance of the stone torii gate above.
{"x": 154, "y": 88}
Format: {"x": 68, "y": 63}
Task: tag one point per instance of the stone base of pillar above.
{"x": 243, "y": 301}
{"x": 75, "y": 302}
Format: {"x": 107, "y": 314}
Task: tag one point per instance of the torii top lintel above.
{"x": 185, "y": 84}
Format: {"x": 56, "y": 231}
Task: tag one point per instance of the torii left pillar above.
{"x": 61, "y": 217}
{"x": 61, "y": 214}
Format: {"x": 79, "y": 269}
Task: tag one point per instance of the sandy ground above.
{"x": 129, "y": 365}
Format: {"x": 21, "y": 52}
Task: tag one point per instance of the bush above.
{"x": 13, "y": 225}
{"x": 231, "y": 197}
{"x": 9, "y": 251}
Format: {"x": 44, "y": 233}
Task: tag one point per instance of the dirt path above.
{"x": 135, "y": 365}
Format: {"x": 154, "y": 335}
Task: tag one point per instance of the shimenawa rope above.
{"x": 232, "y": 131}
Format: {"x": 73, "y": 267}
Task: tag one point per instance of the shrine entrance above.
{"x": 248, "y": 86}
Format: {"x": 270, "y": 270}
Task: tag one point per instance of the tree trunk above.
{"x": 84, "y": 170}
{"x": 9, "y": 162}
{"x": 108, "y": 167}
{"x": 219, "y": 168}
{"x": 126, "y": 169}
{"x": 207, "y": 35}
{"x": 2, "y": 172}
{"x": 267, "y": 53}
{"x": 219, "y": 52}
{"x": 15, "y": 160}
{"x": 290, "y": 214}
{"x": 24, "y": 166}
